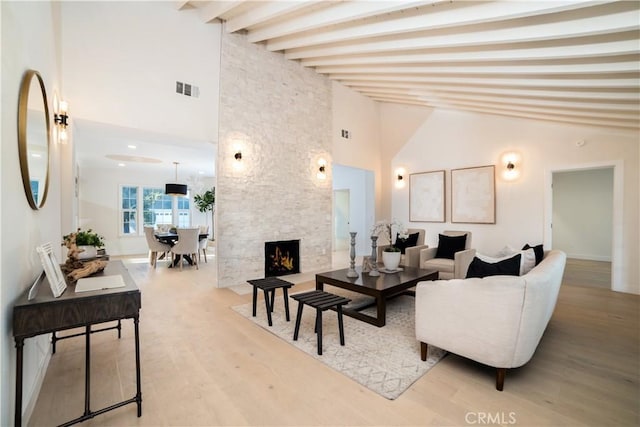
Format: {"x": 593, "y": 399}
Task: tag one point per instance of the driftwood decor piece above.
{"x": 75, "y": 269}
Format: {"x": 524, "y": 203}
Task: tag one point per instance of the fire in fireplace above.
{"x": 281, "y": 258}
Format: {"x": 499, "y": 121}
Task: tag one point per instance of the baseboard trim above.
{"x": 590, "y": 257}
{"x": 33, "y": 399}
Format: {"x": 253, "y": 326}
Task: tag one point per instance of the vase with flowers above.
{"x": 391, "y": 254}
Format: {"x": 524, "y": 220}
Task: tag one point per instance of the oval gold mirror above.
{"x": 34, "y": 138}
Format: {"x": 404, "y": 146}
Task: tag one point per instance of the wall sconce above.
{"x": 511, "y": 163}
{"x": 400, "y": 181}
{"x": 238, "y": 155}
{"x": 322, "y": 169}
{"x": 61, "y": 120}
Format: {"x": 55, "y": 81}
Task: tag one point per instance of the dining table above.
{"x": 171, "y": 239}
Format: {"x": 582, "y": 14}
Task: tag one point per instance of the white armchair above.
{"x": 202, "y": 243}
{"x": 155, "y": 246}
{"x": 411, "y": 256}
{"x": 455, "y": 268}
{"x": 187, "y": 244}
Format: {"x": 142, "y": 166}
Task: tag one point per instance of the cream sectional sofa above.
{"x": 496, "y": 320}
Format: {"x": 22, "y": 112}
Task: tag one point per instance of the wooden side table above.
{"x": 45, "y": 314}
{"x": 321, "y": 301}
{"x": 269, "y": 286}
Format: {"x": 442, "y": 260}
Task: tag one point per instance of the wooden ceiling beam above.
{"x": 443, "y": 16}
{"x": 593, "y": 25}
{"x": 216, "y": 9}
{"x": 593, "y": 51}
{"x": 266, "y": 11}
{"x": 621, "y": 82}
{"x": 333, "y": 14}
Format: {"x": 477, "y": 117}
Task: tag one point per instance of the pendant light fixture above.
{"x": 176, "y": 189}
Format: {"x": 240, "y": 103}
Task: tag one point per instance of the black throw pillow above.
{"x": 538, "y": 250}
{"x": 449, "y": 245}
{"x": 506, "y": 267}
{"x": 410, "y": 241}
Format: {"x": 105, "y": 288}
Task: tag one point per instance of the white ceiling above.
{"x": 105, "y": 146}
{"x": 572, "y": 61}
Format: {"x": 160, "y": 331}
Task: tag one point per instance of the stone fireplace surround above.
{"x": 279, "y": 113}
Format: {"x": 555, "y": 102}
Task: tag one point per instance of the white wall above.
{"x": 359, "y": 115}
{"x": 583, "y": 213}
{"x": 30, "y": 35}
{"x": 99, "y": 201}
{"x": 449, "y": 140}
{"x": 398, "y": 123}
{"x": 121, "y": 61}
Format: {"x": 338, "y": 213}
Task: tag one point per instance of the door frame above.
{"x": 617, "y": 226}
{"x": 334, "y": 206}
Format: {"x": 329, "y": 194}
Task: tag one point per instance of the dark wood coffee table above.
{"x": 381, "y": 288}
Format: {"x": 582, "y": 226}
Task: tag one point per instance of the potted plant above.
{"x": 206, "y": 202}
{"x": 390, "y": 255}
{"x": 87, "y": 242}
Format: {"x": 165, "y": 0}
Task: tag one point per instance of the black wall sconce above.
{"x": 322, "y": 169}
{"x": 400, "y": 172}
{"x": 61, "y": 120}
{"x": 238, "y": 155}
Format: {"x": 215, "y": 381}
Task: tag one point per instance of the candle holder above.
{"x": 352, "y": 266}
{"x": 374, "y": 256}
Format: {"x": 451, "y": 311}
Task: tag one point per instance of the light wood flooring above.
{"x": 580, "y": 272}
{"x": 205, "y": 365}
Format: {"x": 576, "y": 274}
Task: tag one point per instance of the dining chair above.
{"x": 155, "y": 246}
{"x": 202, "y": 244}
{"x": 187, "y": 244}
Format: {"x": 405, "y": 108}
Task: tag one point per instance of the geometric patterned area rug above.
{"x": 386, "y": 360}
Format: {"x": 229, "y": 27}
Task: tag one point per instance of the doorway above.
{"x": 353, "y": 209}
{"x": 583, "y": 200}
{"x": 584, "y": 213}
{"x": 341, "y": 214}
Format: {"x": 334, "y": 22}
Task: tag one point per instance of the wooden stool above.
{"x": 321, "y": 301}
{"x": 269, "y": 285}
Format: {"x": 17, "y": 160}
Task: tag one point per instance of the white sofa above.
{"x": 496, "y": 320}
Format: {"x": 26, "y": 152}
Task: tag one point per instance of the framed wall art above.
{"x": 426, "y": 197}
{"x": 473, "y": 195}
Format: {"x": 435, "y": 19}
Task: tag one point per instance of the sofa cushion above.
{"x": 449, "y": 245}
{"x": 508, "y": 267}
{"x": 527, "y": 261}
{"x": 538, "y": 249}
{"x": 408, "y": 242}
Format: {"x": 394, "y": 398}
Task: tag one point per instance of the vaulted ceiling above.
{"x": 572, "y": 61}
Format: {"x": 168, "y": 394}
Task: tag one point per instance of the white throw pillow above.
{"x": 527, "y": 259}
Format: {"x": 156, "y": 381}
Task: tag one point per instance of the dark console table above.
{"x": 45, "y": 314}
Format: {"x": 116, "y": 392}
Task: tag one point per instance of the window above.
{"x": 183, "y": 212}
{"x": 157, "y": 208}
{"x": 129, "y": 210}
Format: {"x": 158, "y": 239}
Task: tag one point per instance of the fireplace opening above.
{"x": 281, "y": 258}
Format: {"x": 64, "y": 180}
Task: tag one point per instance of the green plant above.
{"x": 87, "y": 238}
{"x": 206, "y": 201}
